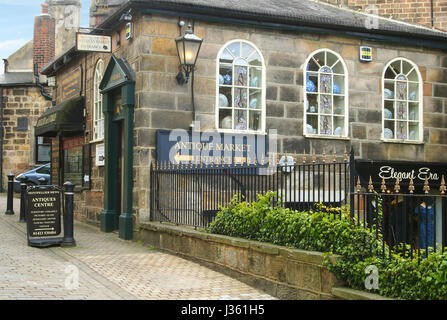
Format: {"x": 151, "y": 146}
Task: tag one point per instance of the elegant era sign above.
{"x": 402, "y": 170}
{"x": 71, "y": 84}
{"x": 43, "y": 212}
{"x": 93, "y": 43}
{"x": 210, "y": 147}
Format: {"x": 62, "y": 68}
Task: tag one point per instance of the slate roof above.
{"x": 9, "y": 79}
{"x": 293, "y": 12}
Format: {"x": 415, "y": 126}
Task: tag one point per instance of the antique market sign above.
{"x": 402, "y": 170}
{"x": 43, "y": 212}
{"x": 206, "y": 148}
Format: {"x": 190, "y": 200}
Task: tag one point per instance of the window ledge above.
{"x": 238, "y": 131}
{"x": 319, "y": 136}
{"x": 402, "y": 141}
{"x": 97, "y": 141}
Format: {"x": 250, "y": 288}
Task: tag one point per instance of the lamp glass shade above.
{"x": 188, "y": 47}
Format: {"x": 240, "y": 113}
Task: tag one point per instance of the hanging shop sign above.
{"x": 389, "y": 171}
{"x": 93, "y": 43}
{"x": 205, "y": 147}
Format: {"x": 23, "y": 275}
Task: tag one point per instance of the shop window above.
{"x": 402, "y": 102}
{"x": 73, "y": 160}
{"x": 326, "y": 95}
{"x": 98, "y": 115}
{"x": 240, "y": 93}
{"x": 43, "y": 149}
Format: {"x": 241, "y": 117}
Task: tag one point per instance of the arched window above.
{"x": 240, "y": 97}
{"x": 326, "y": 95}
{"x": 98, "y": 116}
{"x": 402, "y": 101}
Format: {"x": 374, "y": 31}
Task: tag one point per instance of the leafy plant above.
{"x": 334, "y": 231}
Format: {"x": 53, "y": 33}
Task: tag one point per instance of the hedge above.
{"x": 333, "y": 231}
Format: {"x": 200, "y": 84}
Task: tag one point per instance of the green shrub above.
{"x": 333, "y": 231}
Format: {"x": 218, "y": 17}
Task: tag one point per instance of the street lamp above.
{"x": 188, "y": 47}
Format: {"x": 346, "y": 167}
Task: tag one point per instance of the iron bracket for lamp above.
{"x": 183, "y": 74}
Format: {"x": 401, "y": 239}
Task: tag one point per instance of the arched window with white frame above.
{"x": 402, "y": 102}
{"x": 240, "y": 89}
{"x": 98, "y": 115}
{"x": 326, "y": 95}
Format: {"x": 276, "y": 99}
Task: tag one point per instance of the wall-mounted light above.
{"x": 188, "y": 47}
{"x": 126, "y": 16}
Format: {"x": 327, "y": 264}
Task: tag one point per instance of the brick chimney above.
{"x": 44, "y": 38}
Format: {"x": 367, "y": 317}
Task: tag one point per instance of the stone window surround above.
{"x": 345, "y": 136}
{"x": 263, "y": 90}
{"x": 420, "y": 140}
{"x": 97, "y": 103}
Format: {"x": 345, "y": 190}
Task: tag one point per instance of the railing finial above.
{"x": 443, "y": 188}
{"x": 397, "y": 186}
{"x": 383, "y": 186}
{"x": 370, "y": 185}
{"x": 426, "y": 186}
{"x": 345, "y": 155}
{"x": 358, "y": 187}
{"x": 323, "y": 157}
{"x": 411, "y": 186}
{"x": 334, "y": 156}
{"x": 304, "y": 156}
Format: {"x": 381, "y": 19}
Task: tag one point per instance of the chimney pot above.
{"x": 44, "y": 8}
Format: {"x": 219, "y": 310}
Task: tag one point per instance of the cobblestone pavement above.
{"x": 107, "y": 268}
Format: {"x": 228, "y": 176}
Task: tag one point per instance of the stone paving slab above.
{"x": 108, "y": 268}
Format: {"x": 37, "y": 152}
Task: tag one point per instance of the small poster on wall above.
{"x": 99, "y": 155}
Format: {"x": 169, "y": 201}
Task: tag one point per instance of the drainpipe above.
{"x": 432, "y": 14}
{"x": 42, "y": 91}
{"x": 1, "y": 138}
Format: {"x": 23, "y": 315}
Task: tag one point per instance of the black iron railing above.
{"x": 409, "y": 222}
{"x": 192, "y": 194}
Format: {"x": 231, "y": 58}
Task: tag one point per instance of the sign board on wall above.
{"x": 99, "y": 158}
{"x": 211, "y": 147}
{"x": 70, "y": 85}
{"x": 93, "y": 43}
{"x": 402, "y": 170}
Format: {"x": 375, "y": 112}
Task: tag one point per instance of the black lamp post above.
{"x": 188, "y": 47}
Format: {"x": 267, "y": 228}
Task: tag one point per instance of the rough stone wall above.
{"x": 163, "y": 104}
{"x": 19, "y": 145}
{"x": 160, "y": 103}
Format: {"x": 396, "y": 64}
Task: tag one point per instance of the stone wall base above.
{"x": 279, "y": 271}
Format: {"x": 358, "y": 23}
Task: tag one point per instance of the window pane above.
{"x": 240, "y": 98}
{"x": 255, "y": 120}
{"x": 326, "y": 104}
{"x": 235, "y": 49}
{"x": 226, "y": 57}
{"x": 401, "y": 130}
{"x": 240, "y": 120}
{"x": 225, "y": 119}
{"x": 255, "y": 59}
{"x": 325, "y": 125}
{"x": 401, "y": 110}
{"x": 255, "y": 77}
{"x": 255, "y": 99}
{"x": 247, "y": 50}
{"x": 240, "y": 75}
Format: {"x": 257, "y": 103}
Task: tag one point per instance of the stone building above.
{"x": 320, "y": 76}
{"x": 24, "y": 97}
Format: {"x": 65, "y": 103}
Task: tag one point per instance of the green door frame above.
{"x": 109, "y": 221}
